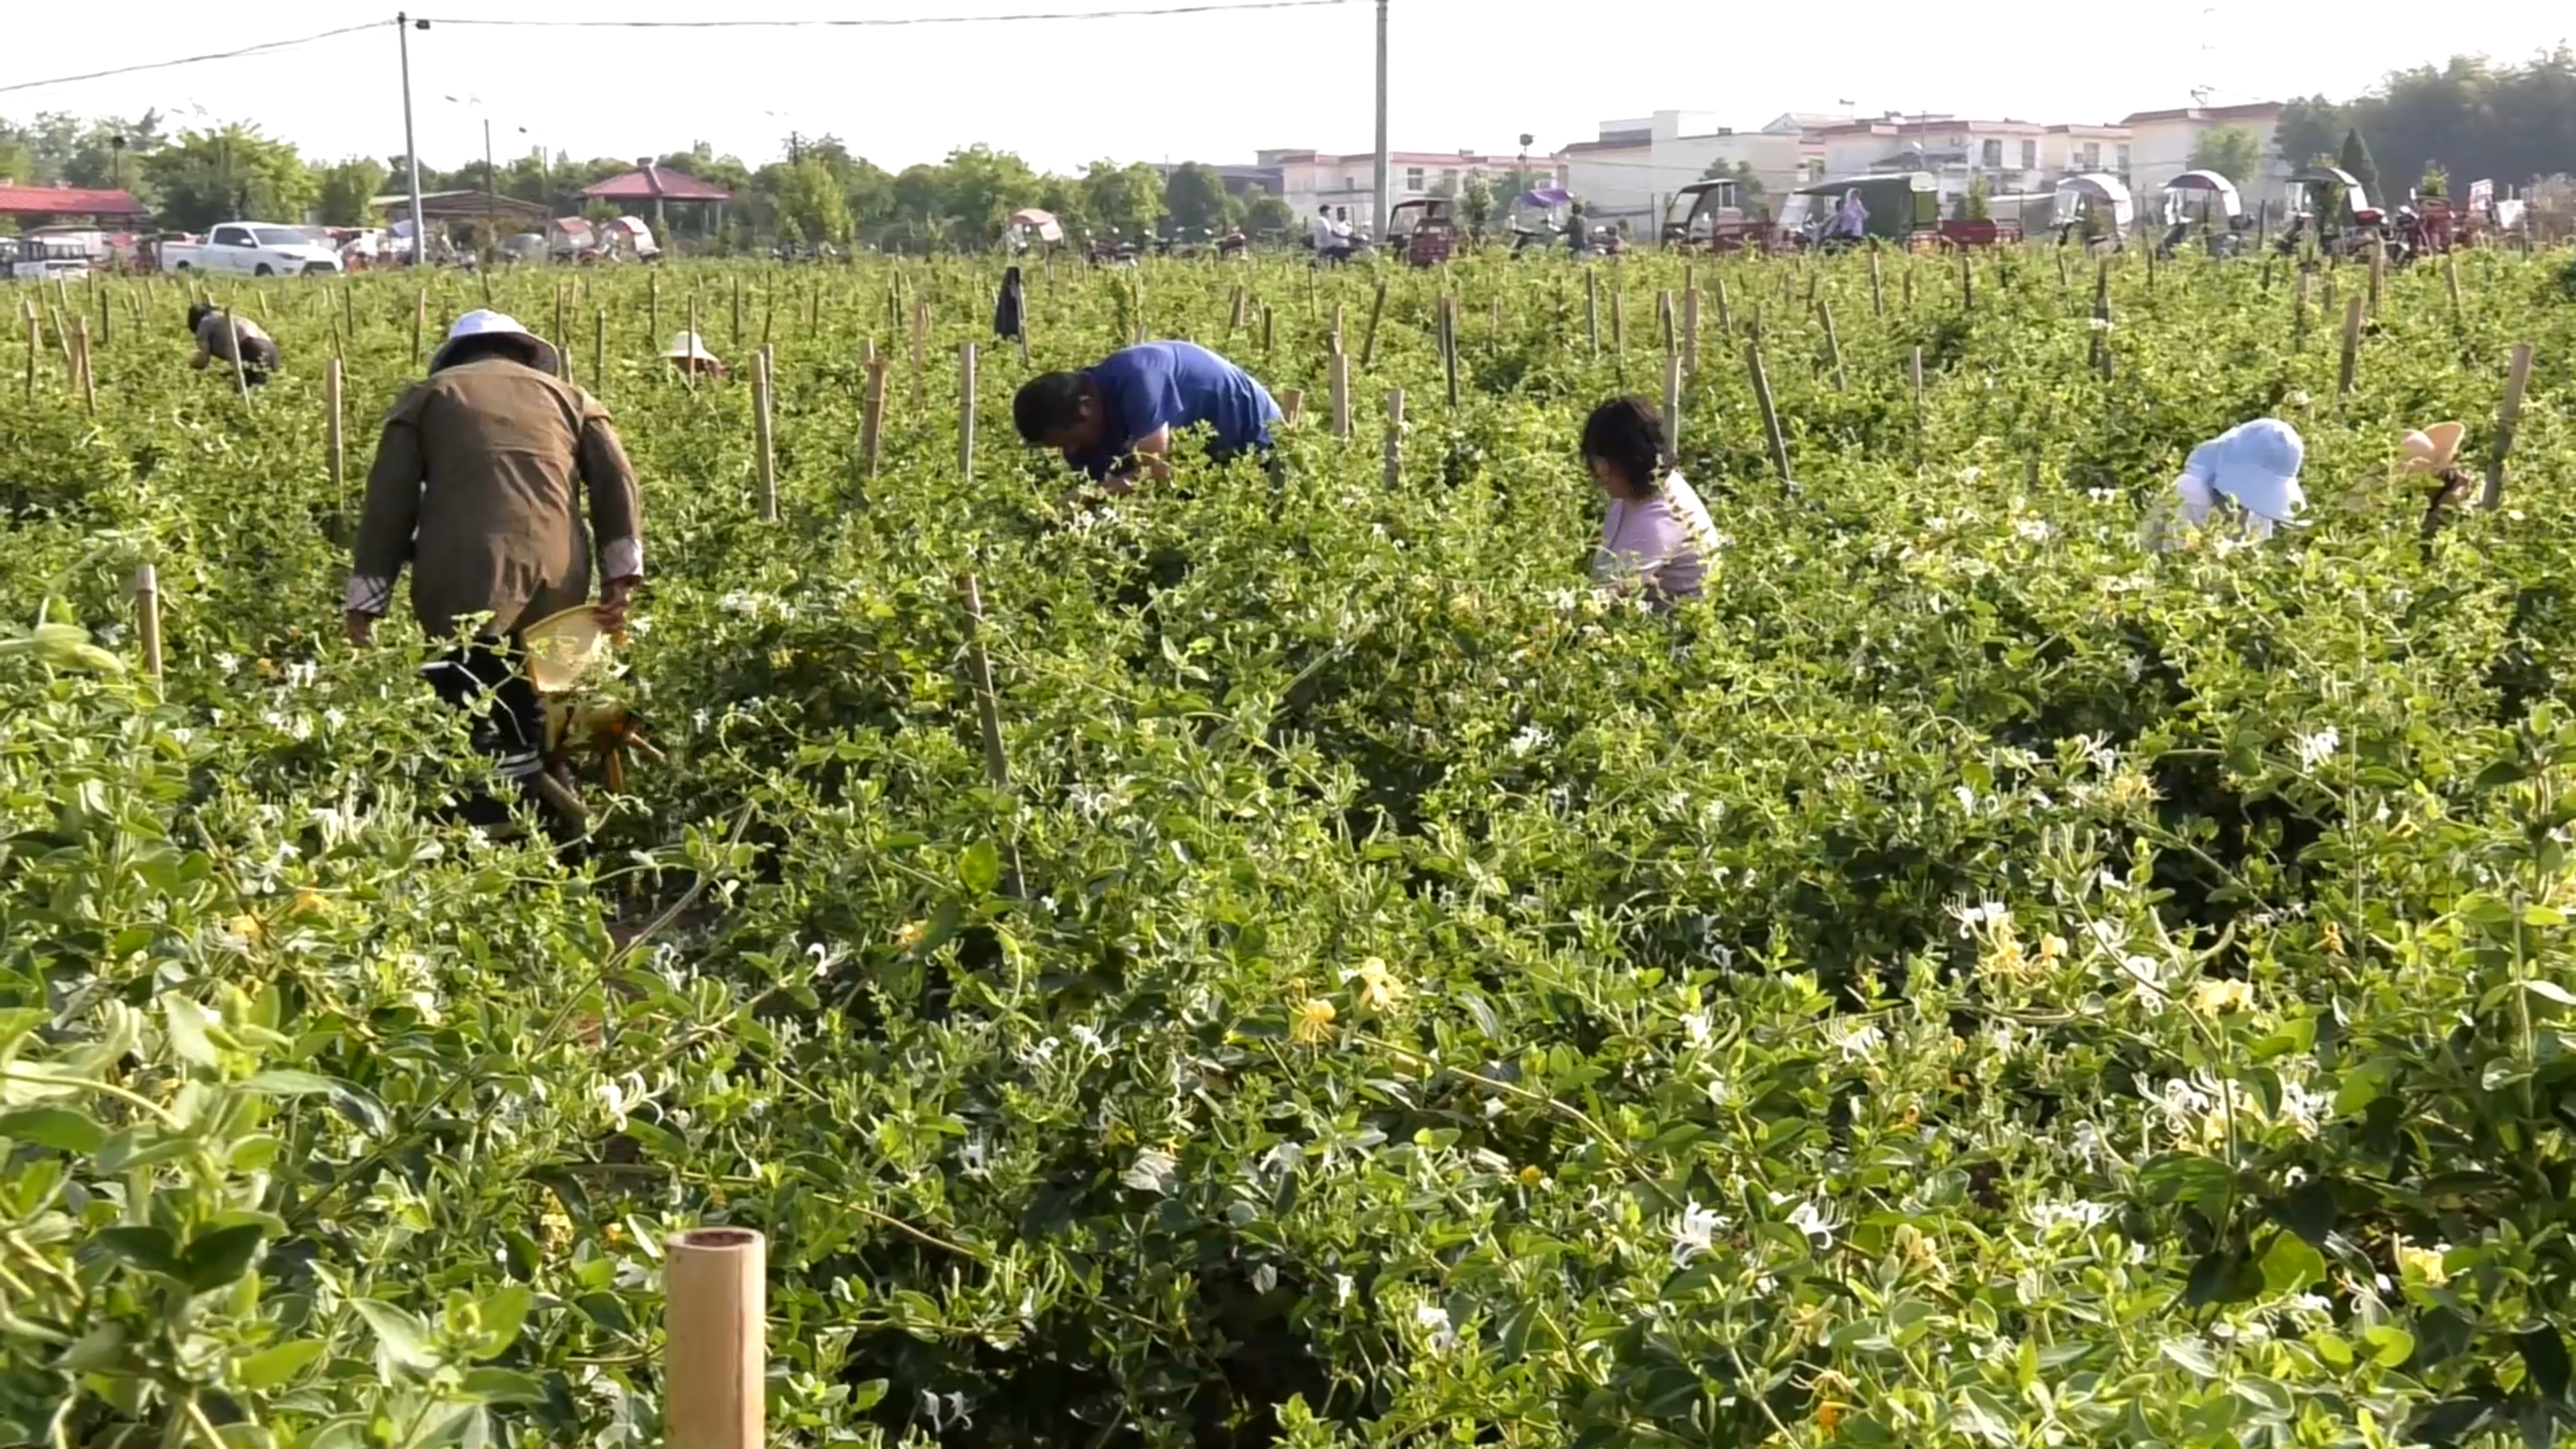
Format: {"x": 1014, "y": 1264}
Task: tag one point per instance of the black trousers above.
{"x": 258, "y": 359}
{"x": 510, "y": 721}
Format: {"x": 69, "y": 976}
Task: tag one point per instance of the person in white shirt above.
{"x": 1332, "y": 239}
{"x": 2252, "y": 468}
{"x": 1658, "y": 536}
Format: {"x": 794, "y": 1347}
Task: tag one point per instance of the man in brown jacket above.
{"x": 475, "y": 483}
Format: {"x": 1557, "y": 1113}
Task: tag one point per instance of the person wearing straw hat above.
{"x": 689, "y": 354}
{"x": 2251, "y": 470}
{"x": 478, "y": 482}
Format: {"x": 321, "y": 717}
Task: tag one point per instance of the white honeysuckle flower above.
{"x": 2315, "y": 749}
{"x": 1816, "y": 1221}
{"x": 1693, "y": 1232}
{"x": 1858, "y": 1042}
{"x": 1341, "y": 1290}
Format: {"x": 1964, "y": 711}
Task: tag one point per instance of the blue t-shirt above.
{"x": 1177, "y": 385}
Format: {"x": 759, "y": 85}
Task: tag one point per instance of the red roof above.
{"x": 656, "y": 183}
{"x": 67, "y": 201}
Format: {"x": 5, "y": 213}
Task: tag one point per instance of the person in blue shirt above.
{"x": 1109, "y": 417}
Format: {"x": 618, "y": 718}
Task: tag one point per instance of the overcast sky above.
{"x": 1466, "y": 73}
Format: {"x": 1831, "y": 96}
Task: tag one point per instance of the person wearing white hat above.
{"x": 689, "y": 354}
{"x": 2252, "y": 469}
{"x": 478, "y": 482}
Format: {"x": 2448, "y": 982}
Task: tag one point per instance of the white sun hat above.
{"x": 2257, "y": 465}
{"x": 687, "y": 347}
{"x": 2430, "y": 450}
{"x": 484, "y": 322}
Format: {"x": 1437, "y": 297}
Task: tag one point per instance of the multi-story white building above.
{"x": 1631, "y": 170}
{"x": 2162, "y": 143}
{"x": 1309, "y": 179}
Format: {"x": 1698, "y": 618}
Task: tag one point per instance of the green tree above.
{"x": 1971, "y": 204}
{"x": 2309, "y": 126}
{"x": 232, "y": 174}
{"x": 2356, "y": 160}
{"x": 346, "y": 188}
{"x": 2231, "y": 151}
{"x": 1125, "y": 199}
{"x": 1264, "y": 212}
{"x": 1476, "y": 203}
{"x": 811, "y": 202}
{"x": 979, "y": 187}
{"x": 1196, "y": 197}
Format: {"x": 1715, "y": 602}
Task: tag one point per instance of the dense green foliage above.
{"x": 1968, "y": 982}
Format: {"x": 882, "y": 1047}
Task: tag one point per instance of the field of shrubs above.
{"x": 1969, "y": 981}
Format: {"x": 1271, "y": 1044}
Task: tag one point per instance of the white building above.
{"x": 2162, "y": 143}
{"x": 1309, "y": 179}
{"x": 1631, "y": 170}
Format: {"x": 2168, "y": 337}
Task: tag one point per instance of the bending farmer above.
{"x": 1107, "y": 417}
{"x": 475, "y": 481}
{"x": 219, "y": 336}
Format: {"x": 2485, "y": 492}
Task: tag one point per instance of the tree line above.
{"x": 815, "y": 190}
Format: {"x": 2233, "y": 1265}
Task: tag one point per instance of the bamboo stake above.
{"x": 147, "y": 617}
{"x": 2378, "y": 272}
{"x": 419, "y": 317}
{"x": 715, "y": 1356}
{"x": 966, "y": 410}
{"x": 762, "y": 424}
{"x": 736, "y": 341}
{"x": 652, "y": 308}
{"x": 1725, "y": 311}
{"x": 1690, "y": 331}
{"x": 1673, "y": 405}
{"x": 1771, "y": 433}
{"x": 1333, "y": 344}
{"x": 2350, "y": 376}
{"x": 1377, "y": 313}
{"x": 1341, "y": 385}
{"x": 1267, "y": 335}
{"x": 35, "y": 345}
{"x": 1833, "y": 345}
{"x": 1664, "y": 321}
{"x": 599, "y": 351}
{"x": 689, "y": 371}
{"x": 1292, "y": 405}
{"x": 920, "y": 355}
{"x": 334, "y": 388}
{"x": 1877, "y": 287}
{"x": 1394, "y": 438}
{"x": 768, "y": 315}
{"x": 1917, "y": 372}
{"x": 1592, "y": 310}
{"x": 88, "y": 379}
{"x": 1619, "y": 332}
{"x": 1449, "y": 346}
{"x": 2508, "y": 417}
{"x": 872, "y": 416}
{"x": 241, "y": 376}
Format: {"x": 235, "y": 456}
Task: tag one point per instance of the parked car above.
{"x": 252, "y": 249}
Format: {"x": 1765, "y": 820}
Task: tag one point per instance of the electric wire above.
{"x": 262, "y": 48}
{"x": 887, "y": 22}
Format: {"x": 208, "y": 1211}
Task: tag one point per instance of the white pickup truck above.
{"x": 252, "y": 249}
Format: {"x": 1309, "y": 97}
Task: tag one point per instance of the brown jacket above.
{"x": 474, "y": 483}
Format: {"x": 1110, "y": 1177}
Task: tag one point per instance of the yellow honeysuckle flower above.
{"x": 1311, "y": 1022}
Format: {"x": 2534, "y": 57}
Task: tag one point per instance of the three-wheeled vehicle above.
{"x": 1709, "y": 215}
{"x": 1429, "y": 235}
{"x": 1539, "y": 218}
{"x": 2095, "y": 202}
{"x": 1897, "y": 208}
{"x": 1032, "y": 229}
{"x": 2339, "y": 229}
{"x": 2205, "y": 202}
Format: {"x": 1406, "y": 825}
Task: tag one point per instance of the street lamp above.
{"x": 491, "y": 194}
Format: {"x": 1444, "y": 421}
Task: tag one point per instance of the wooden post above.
{"x": 1394, "y": 438}
{"x": 1968, "y": 280}
{"x": 599, "y": 351}
{"x": 715, "y": 1354}
{"x": 762, "y": 424}
{"x": 1690, "y": 331}
{"x": 652, "y": 308}
{"x": 35, "y": 345}
{"x": 1237, "y": 314}
{"x": 2351, "y": 373}
{"x": 966, "y": 410}
{"x": 147, "y": 618}
{"x": 872, "y": 416}
{"x": 736, "y": 342}
{"x": 2102, "y": 318}
{"x": 2064, "y": 283}
{"x": 1673, "y": 406}
{"x": 1916, "y": 370}
{"x": 419, "y": 315}
{"x": 1833, "y": 345}
{"x": 2508, "y": 417}
{"x": 1725, "y": 311}
{"x": 1592, "y": 310}
{"x": 89, "y": 379}
{"x": 1341, "y": 384}
{"x": 1292, "y": 406}
{"x": 1619, "y": 332}
{"x": 988, "y": 715}
{"x": 1334, "y": 342}
{"x": 1664, "y": 321}
{"x": 1267, "y": 335}
{"x": 333, "y": 389}
{"x": 1449, "y": 346}
{"x": 1771, "y": 433}
{"x": 1877, "y": 286}
{"x": 920, "y": 355}
{"x": 2299, "y": 307}
{"x": 241, "y": 376}
{"x": 1377, "y": 313}
{"x": 349, "y": 312}
{"x": 2378, "y": 272}
{"x": 768, "y": 314}
{"x": 1909, "y": 282}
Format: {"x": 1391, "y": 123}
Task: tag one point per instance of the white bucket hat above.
{"x": 2430, "y": 450}
{"x": 2257, "y": 465}
{"x": 483, "y": 322}
{"x": 687, "y": 347}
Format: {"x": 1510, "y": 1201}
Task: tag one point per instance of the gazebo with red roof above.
{"x": 658, "y": 184}
{"x": 46, "y": 205}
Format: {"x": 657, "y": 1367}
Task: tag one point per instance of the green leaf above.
{"x": 867, "y": 1395}
{"x": 2550, "y": 991}
{"x": 503, "y": 1386}
{"x": 2390, "y": 1345}
{"x": 1980, "y": 1415}
{"x": 289, "y": 1083}
{"x": 502, "y": 1312}
{"x": 2538, "y": 915}
{"x": 270, "y": 1367}
{"x": 2183, "y": 1177}
{"x": 2270, "y": 1398}
{"x": 2192, "y": 1355}
{"x": 2545, "y": 1354}
{"x": 189, "y": 1028}
{"x": 2308, "y": 1210}
{"x": 980, "y": 867}
{"x": 2290, "y": 1264}
{"x": 2333, "y": 1347}
{"x": 151, "y": 1249}
{"x": 401, "y": 1336}
{"x": 219, "y": 1257}
{"x": 60, "y": 1128}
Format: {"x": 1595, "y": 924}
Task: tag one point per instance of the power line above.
{"x": 259, "y": 49}
{"x": 1229, "y": 7}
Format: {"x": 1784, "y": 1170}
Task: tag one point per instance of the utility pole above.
{"x": 411, "y": 148}
{"x": 491, "y": 199}
{"x": 1383, "y": 202}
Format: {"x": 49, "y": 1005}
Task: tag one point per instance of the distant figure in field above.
{"x": 1658, "y": 535}
{"x": 689, "y": 354}
{"x": 478, "y": 483}
{"x": 1331, "y": 239}
{"x": 1123, "y": 410}
{"x": 1851, "y": 221}
{"x": 218, "y": 336}
{"x": 2252, "y": 470}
